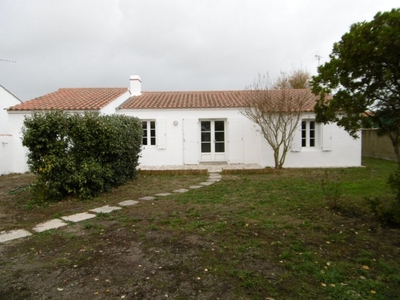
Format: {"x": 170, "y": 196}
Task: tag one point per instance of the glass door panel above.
{"x": 212, "y": 140}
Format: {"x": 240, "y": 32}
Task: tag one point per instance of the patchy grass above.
{"x": 250, "y": 236}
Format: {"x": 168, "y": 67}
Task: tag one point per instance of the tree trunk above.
{"x": 276, "y": 159}
{"x": 395, "y": 139}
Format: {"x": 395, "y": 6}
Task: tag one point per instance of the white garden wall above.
{"x": 18, "y": 156}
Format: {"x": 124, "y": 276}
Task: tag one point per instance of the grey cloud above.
{"x": 172, "y": 45}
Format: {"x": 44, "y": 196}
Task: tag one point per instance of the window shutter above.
{"x": 161, "y": 133}
{"x": 191, "y": 137}
{"x": 296, "y": 139}
{"x": 327, "y": 137}
{"x": 235, "y": 141}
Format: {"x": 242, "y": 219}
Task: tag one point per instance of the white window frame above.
{"x": 308, "y": 133}
{"x": 149, "y": 133}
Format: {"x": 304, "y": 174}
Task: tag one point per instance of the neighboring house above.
{"x": 74, "y": 100}
{"x": 7, "y": 99}
{"x": 200, "y": 127}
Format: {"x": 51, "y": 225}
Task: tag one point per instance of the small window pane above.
{"x": 205, "y": 136}
{"x": 219, "y": 147}
{"x": 144, "y": 141}
{"x": 303, "y": 143}
{"x": 219, "y": 125}
{"x": 205, "y": 126}
{"x": 206, "y": 147}
{"x": 219, "y": 136}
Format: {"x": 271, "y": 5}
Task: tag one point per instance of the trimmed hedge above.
{"x": 80, "y": 155}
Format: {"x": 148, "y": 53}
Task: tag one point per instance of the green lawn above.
{"x": 272, "y": 235}
{"x": 277, "y": 234}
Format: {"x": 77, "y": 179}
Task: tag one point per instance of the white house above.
{"x": 198, "y": 127}
{"x": 7, "y": 99}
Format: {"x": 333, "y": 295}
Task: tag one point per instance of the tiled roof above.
{"x": 97, "y": 98}
{"x": 205, "y": 99}
{"x": 73, "y": 99}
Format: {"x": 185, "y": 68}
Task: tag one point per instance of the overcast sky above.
{"x": 173, "y": 45}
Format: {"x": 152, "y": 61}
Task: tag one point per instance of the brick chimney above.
{"x": 135, "y": 85}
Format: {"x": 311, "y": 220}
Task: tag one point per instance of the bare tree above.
{"x": 277, "y": 110}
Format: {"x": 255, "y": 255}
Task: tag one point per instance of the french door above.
{"x": 213, "y": 140}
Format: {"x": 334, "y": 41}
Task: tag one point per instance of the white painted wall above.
{"x": 180, "y": 144}
{"x": 17, "y": 158}
{"x": 109, "y": 109}
{"x": 334, "y": 148}
{"x": 6, "y": 153}
{"x": 19, "y": 153}
{"x": 6, "y": 100}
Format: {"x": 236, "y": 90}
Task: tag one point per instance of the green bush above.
{"x": 80, "y": 155}
{"x": 388, "y": 209}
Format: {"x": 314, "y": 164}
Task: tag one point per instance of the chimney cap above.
{"x": 135, "y": 77}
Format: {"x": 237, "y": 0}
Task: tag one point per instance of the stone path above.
{"x": 214, "y": 176}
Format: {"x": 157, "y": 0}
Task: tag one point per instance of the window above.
{"x": 308, "y": 133}
{"x": 149, "y": 133}
{"x": 212, "y": 136}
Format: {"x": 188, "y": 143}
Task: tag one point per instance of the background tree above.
{"x": 295, "y": 79}
{"x": 277, "y": 109}
{"x": 363, "y": 76}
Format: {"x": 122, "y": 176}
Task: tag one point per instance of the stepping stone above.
{"x": 147, "y": 198}
{"x": 195, "y": 186}
{"x": 181, "y": 191}
{"x": 78, "y": 217}
{"x": 214, "y": 179}
{"x": 128, "y": 203}
{"x": 162, "y": 194}
{"x": 105, "y": 209}
{"x": 52, "y": 224}
{"x": 13, "y": 234}
{"x": 215, "y": 175}
{"x": 207, "y": 183}
{"x": 215, "y": 170}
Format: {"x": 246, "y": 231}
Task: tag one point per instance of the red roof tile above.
{"x": 97, "y": 98}
{"x": 73, "y": 99}
{"x": 204, "y": 99}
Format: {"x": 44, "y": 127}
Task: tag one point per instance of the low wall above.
{"x": 377, "y": 146}
{"x": 6, "y": 153}
{"x": 13, "y": 156}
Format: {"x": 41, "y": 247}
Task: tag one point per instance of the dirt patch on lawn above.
{"x": 116, "y": 263}
{"x": 121, "y": 255}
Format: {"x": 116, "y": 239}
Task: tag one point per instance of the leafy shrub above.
{"x": 388, "y": 210}
{"x": 80, "y": 155}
